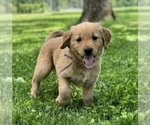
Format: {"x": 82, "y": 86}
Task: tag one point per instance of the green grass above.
{"x": 115, "y": 93}
{"x": 143, "y": 64}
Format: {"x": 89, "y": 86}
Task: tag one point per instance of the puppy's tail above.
{"x": 54, "y": 34}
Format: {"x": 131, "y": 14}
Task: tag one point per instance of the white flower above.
{"x": 7, "y": 79}
{"x": 20, "y": 79}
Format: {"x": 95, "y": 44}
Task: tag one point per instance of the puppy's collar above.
{"x": 69, "y": 56}
{"x": 66, "y": 67}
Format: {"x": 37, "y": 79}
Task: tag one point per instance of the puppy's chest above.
{"x": 81, "y": 78}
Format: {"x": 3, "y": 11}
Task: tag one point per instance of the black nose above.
{"x": 88, "y": 51}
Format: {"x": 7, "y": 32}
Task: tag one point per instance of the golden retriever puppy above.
{"x": 75, "y": 55}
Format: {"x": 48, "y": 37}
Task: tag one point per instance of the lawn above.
{"x": 115, "y": 93}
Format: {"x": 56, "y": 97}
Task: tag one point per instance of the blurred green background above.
{"x": 40, "y": 6}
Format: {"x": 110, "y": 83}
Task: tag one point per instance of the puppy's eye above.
{"x": 94, "y": 37}
{"x": 78, "y": 39}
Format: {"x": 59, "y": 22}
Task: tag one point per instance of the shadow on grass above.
{"x": 40, "y": 25}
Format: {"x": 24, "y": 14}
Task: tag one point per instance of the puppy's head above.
{"x": 86, "y": 41}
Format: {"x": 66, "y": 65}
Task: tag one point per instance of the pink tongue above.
{"x": 88, "y": 61}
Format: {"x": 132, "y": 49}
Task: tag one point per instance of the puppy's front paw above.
{"x": 88, "y": 102}
{"x": 61, "y": 101}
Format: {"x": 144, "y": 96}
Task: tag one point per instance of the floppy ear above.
{"x": 66, "y": 40}
{"x": 106, "y": 36}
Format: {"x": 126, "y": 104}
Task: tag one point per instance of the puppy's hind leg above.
{"x": 42, "y": 70}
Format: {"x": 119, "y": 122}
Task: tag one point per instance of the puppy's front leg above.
{"x": 87, "y": 92}
{"x": 64, "y": 91}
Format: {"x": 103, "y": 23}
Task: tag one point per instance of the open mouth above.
{"x": 89, "y": 61}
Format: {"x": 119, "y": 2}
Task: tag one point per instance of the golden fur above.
{"x": 83, "y": 45}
